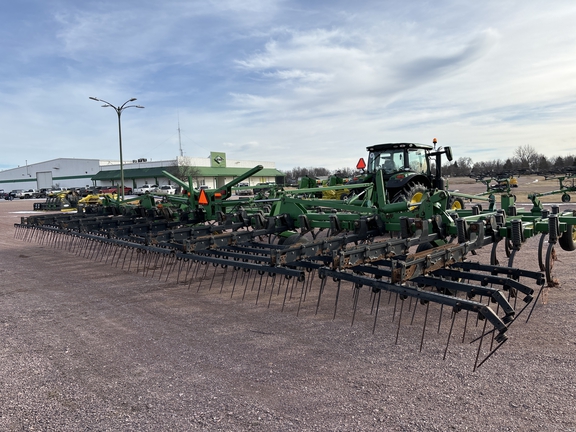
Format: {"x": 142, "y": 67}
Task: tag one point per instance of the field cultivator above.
{"x": 567, "y": 185}
{"x": 364, "y": 255}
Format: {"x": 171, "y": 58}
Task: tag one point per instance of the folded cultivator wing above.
{"x": 402, "y": 265}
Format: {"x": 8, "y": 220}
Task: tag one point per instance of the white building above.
{"x": 213, "y": 172}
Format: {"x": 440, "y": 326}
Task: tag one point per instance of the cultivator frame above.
{"x": 416, "y": 251}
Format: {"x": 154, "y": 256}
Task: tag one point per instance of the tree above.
{"x": 344, "y": 172}
{"x": 559, "y": 162}
{"x": 543, "y": 164}
{"x": 527, "y": 156}
{"x": 298, "y": 172}
{"x": 183, "y": 172}
{"x": 464, "y": 166}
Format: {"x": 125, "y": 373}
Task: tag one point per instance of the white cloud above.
{"x": 296, "y": 82}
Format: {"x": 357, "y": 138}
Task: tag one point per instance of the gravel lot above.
{"x": 89, "y": 346}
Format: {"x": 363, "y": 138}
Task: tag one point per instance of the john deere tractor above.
{"x": 407, "y": 170}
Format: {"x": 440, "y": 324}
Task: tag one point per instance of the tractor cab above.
{"x": 396, "y": 158}
{"x": 407, "y": 168}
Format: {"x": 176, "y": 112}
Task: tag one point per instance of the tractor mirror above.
{"x": 448, "y": 151}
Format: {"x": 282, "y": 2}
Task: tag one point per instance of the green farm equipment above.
{"x": 390, "y": 254}
{"x": 408, "y": 170}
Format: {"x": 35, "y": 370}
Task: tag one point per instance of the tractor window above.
{"x": 417, "y": 159}
{"x": 389, "y": 162}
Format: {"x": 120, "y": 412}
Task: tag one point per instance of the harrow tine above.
{"x": 260, "y": 287}
{"x": 235, "y": 280}
{"x": 480, "y": 346}
{"x": 337, "y": 296}
{"x": 224, "y": 273}
{"x": 355, "y": 297}
{"x": 399, "y": 319}
{"x": 273, "y": 276}
{"x": 414, "y": 313}
{"x": 205, "y": 264}
{"x": 163, "y": 266}
{"x": 534, "y": 303}
{"x": 449, "y": 335}
{"x": 440, "y": 317}
{"x": 131, "y": 257}
{"x": 320, "y": 291}
{"x": 245, "y": 279}
{"x": 253, "y": 283}
{"x": 179, "y": 270}
{"x": 377, "y": 310}
{"x": 490, "y": 354}
{"x": 310, "y": 282}
{"x": 285, "y": 295}
{"x": 172, "y": 263}
{"x": 302, "y": 294}
{"x": 424, "y": 326}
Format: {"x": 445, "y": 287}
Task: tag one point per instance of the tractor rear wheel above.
{"x": 413, "y": 193}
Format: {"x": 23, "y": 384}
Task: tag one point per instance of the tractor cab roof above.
{"x": 390, "y": 146}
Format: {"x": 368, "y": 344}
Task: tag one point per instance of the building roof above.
{"x": 136, "y": 173}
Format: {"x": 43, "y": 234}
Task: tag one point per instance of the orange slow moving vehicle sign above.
{"x": 202, "y": 199}
{"x": 361, "y": 164}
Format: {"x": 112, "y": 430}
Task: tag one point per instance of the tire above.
{"x": 568, "y": 239}
{"x": 292, "y": 240}
{"x": 412, "y": 193}
{"x": 456, "y": 203}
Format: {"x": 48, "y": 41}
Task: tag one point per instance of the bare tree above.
{"x": 527, "y": 156}
{"x": 183, "y": 172}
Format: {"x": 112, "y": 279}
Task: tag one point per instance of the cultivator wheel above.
{"x": 456, "y": 203}
{"x": 568, "y": 238}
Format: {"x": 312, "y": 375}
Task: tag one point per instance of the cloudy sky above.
{"x": 298, "y": 82}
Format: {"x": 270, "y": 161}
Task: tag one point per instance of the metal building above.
{"x": 67, "y": 173}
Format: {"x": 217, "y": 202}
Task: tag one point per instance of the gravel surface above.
{"x": 89, "y": 346}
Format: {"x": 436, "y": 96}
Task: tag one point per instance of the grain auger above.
{"x": 315, "y": 256}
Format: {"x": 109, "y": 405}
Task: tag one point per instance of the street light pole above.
{"x": 119, "y": 110}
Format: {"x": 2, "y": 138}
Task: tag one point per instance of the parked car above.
{"x": 261, "y": 187}
{"x": 144, "y": 189}
{"x": 28, "y": 193}
{"x": 244, "y": 191}
{"x": 114, "y": 189}
{"x": 56, "y": 191}
{"x": 165, "y": 190}
{"x": 12, "y": 194}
